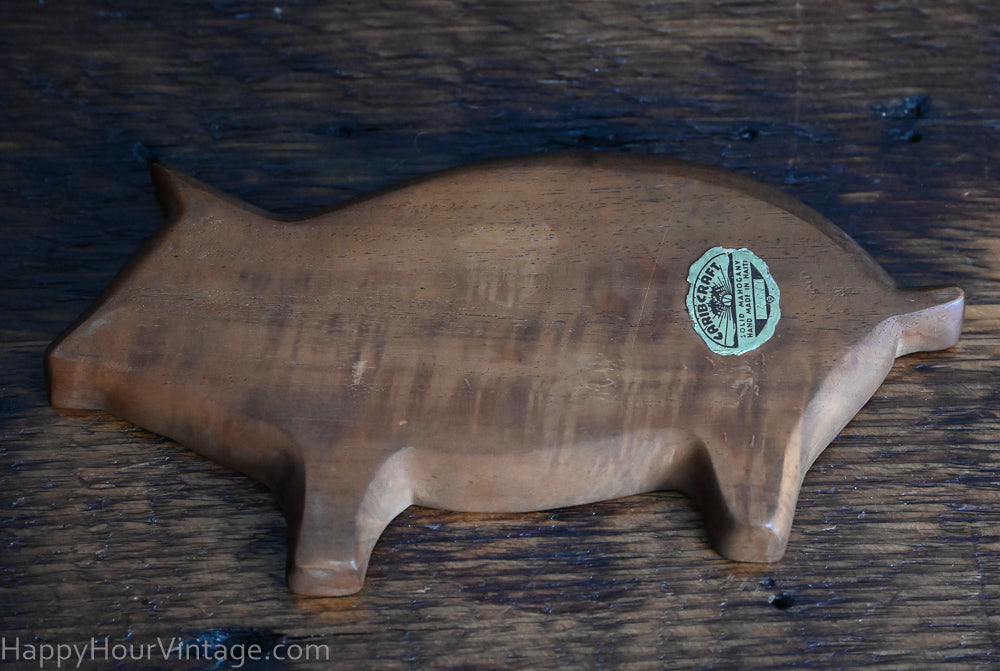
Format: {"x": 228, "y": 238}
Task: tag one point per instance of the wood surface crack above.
{"x": 649, "y": 285}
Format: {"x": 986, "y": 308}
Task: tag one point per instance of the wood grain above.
{"x": 880, "y": 115}
{"x": 502, "y": 337}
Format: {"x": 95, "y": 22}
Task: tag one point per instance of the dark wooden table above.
{"x": 884, "y": 116}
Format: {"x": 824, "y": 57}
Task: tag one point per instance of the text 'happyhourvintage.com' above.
{"x": 233, "y": 655}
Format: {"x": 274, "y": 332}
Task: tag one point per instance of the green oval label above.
{"x": 733, "y": 300}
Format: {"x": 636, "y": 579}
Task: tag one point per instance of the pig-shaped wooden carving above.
{"x": 510, "y": 336}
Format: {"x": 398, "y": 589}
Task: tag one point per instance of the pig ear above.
{"x": 179, "y": 193}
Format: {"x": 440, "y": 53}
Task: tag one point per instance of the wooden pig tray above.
{"x": 509, "y": 336}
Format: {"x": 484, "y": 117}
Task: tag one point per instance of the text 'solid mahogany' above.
{"x": 509, "y": 336}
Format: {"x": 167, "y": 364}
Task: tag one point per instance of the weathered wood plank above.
{"x": 881, "y": 115}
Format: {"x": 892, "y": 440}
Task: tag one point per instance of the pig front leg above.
{"x": 337, "y": 507}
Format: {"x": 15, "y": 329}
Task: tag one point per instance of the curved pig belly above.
{"x": 549, "y": 477}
